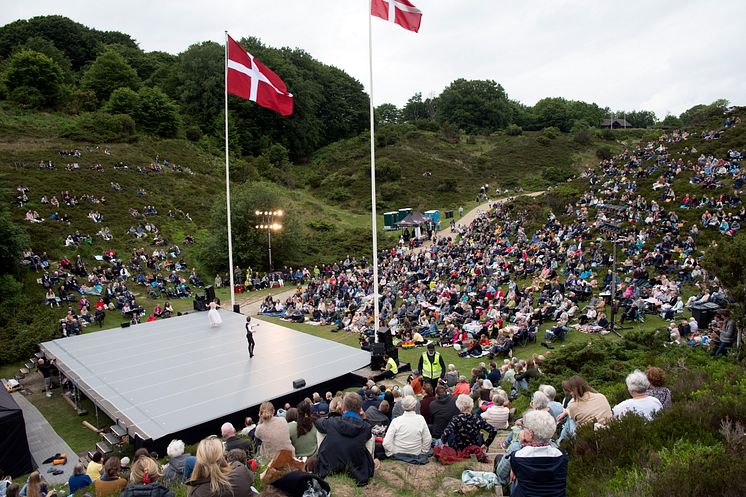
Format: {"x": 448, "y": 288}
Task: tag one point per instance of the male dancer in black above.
{"x": 250, "y": 335}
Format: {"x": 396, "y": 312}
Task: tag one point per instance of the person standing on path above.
{"x": 45, "y": 366}
{"x": 250, "y": 335}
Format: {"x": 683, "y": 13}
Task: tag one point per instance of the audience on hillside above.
{"x": 483, "y": 290}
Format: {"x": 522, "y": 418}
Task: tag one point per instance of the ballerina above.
{"x": 213, "y": 315}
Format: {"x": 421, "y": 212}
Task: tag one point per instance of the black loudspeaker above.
{"x": 200, "y": 296}
{"x": 199, "y": 305}
{"x": 299, "y": 383}
{"x": 237, "y": 308}
{"x": 376, "y": 356}
{"x": 210, "y": 292}
{"x": 378, "y": 349}
{"x": 385, "y": 337}
{"x": 125, "y": 324}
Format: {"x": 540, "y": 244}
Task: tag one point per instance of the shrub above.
{"x": 604, "y": 152}
{"x": 27, "y": 97}
{"x": 320, "y": 225}
{"x": 339, "y": 195}
{"x": 583, "y": 136}
{"x": 387, "y": 170}
{"x": 426, "y": 125}
{"x": 447, "y": 187}
{"x": 513, "y": 130}
{"x": 556, "y": 174}
{"x": 582, "y": 132}
{"x": 391, "y": 191}
{"x": 550, "y": 132}
{"x": 315, "y": 180}
{"x": 98, "y": 127}
{"x": 193, "y": 133}
{"x": 543, "y": 140}
{"x": 608, "y": 134}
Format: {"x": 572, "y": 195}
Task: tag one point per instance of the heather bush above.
{"x": 694, "y": 448}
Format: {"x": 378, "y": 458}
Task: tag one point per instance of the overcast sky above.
{"x": 661, "y": 55}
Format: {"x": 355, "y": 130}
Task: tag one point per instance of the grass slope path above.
{"x": 470, "y": 216}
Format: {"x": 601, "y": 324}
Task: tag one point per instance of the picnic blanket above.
{"x": 447, "y": 455}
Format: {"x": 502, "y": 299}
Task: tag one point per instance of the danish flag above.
{"x": 400, "y": 12}
{"x": 250, "y": 79}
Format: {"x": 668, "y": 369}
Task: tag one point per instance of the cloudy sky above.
{"x": 662, "y": 55}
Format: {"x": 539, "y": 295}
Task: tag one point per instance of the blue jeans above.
{"x": 412, "y": 458}
{"x": 721, "y": 349}
{"x": 568, "y": 430}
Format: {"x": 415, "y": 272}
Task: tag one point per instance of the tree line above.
{"x": 54, "y": 63}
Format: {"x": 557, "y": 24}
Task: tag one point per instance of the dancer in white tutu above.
{"x": 213, "y": 315}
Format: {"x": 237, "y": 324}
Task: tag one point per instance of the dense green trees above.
{"x": 85, "y": 70}
{"x": 152, "y": 110}
{"x": 641, "y": 118}
{"x": 196, "y": 82}
{"x": 700, "y": 113}
{"x": 563, "y": 114}
{"x": 22, "y": 323}
{"x": 249, "y": 243}
{"x": 387, "y": 114}
{"x": 107, "y": 73}
{"x": 79, "y": 43}
{"x": 475, "y": 106}
{"x": 33, "y": 79}
{"x": 417, "y": 109}
{"x": 156, "y": 114}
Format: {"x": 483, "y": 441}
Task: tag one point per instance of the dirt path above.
{"x": 470, "y": 216}
{"x": 250, "y": 305}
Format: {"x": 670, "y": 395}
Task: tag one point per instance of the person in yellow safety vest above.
{"x": 431, "y": 365}
{"x": 391, "y": 369}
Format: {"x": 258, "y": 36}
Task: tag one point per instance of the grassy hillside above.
{"x": 423, "y": 170}
{"x": 331, "y": 196}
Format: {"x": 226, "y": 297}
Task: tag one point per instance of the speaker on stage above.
{"x": 200, "y": 296}
{"x": 199, "y": 305}
{"x": 125, "y": 324}
{"x": 376, "y": 356}
{"x": 299, "y": 383}
{"x": 210, "y": 292}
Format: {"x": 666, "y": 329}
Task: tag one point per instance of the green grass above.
{"x": 67, "y": 423}
{"x": 431, "y": 168}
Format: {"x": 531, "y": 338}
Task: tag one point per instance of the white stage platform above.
{"x": 166, "y": 376}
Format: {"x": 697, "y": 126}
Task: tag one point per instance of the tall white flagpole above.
{"x": 373, "y": 176}
{"x": 228, "y": 182}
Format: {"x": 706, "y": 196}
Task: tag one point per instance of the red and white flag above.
{"x": 250, "y": 79}
{"x": 401, "y": 12}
